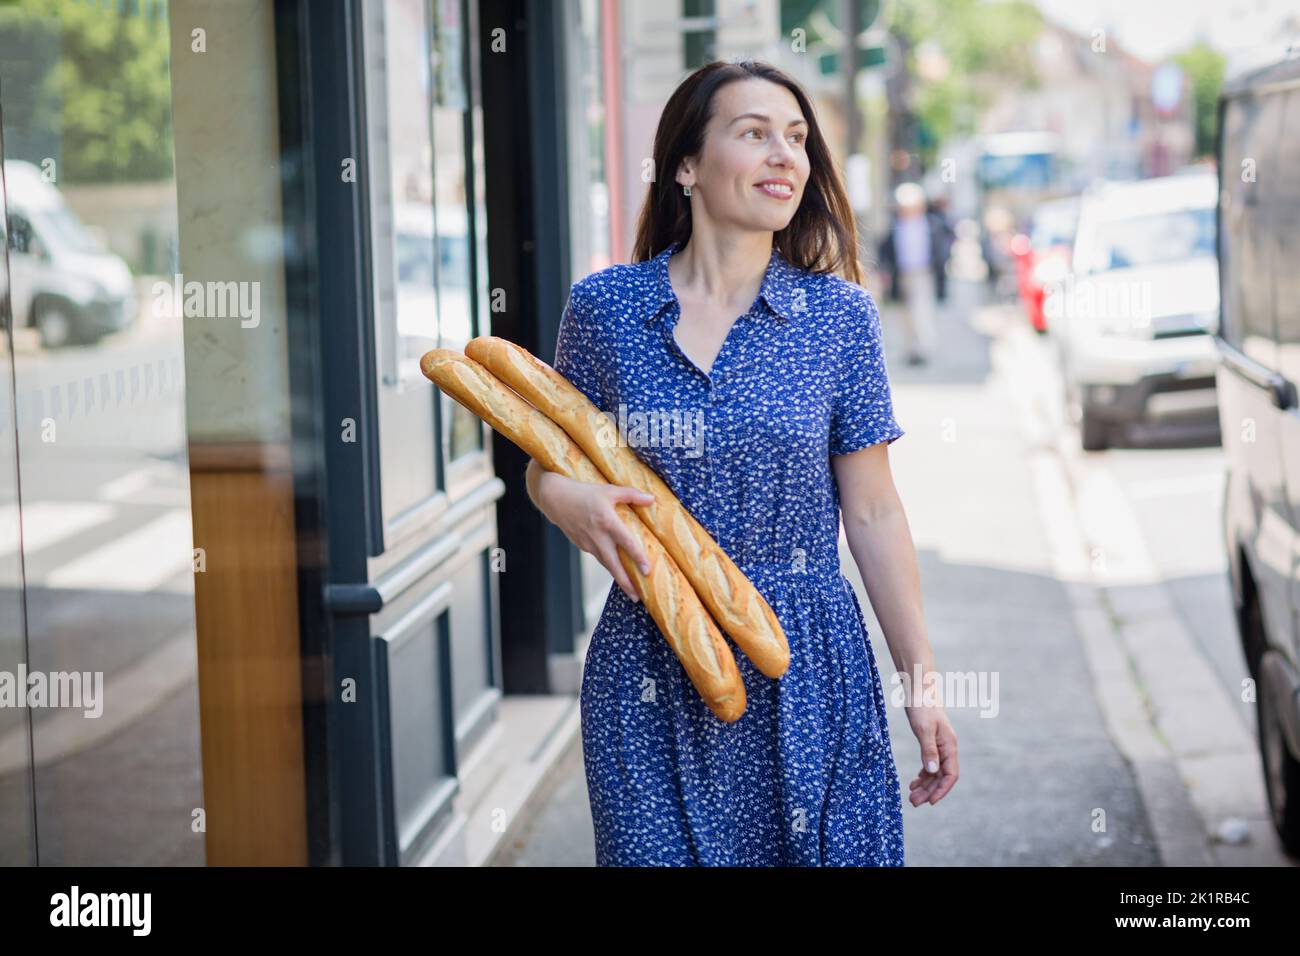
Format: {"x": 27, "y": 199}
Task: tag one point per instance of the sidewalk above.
{"x": 1042, "y": 783}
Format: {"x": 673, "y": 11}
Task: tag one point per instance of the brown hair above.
{"x": 822, "y": 235}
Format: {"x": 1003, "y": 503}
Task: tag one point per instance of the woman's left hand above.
{"x": 938, "y": 754}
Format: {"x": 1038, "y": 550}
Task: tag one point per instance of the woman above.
{"x": 796, "y": 412}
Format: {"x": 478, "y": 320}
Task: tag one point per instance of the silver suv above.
{"x": 1134, "y": 318}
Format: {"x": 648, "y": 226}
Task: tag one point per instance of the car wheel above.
{"x": 1281, "y": 773}
{"x": 54, "y": 323}
{"x": 1095, "y": 430}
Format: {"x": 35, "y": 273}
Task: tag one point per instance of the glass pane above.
{"x": 455, "y": 296}
{"x": 17, "y": 814}
{"x": 87, "y": 106}
{"x": 399, "y": 93}
{"x": 590, "y": 243}
{"x": 409, "y": 147}
{"x": 477, "y": 171}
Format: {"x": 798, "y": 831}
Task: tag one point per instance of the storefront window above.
{"x": 402, "y": 213}
{"x": 590, "y": 202}
{"x": 417, "y": 107}
{"x": 455, "y": 297}
{"x": 17, "y": 816}
{"x": 99, "y": 432}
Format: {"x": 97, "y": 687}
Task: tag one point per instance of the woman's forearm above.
{"x": 886, "y": 558}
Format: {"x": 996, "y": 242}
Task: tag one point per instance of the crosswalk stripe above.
{"x": 46, "y": 523}
{"x": 140, "y": 560}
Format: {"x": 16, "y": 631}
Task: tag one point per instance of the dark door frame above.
{"x": 332, "y": 361}
{"x": 526, "y": 155}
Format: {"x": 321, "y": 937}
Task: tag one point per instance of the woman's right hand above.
{"x": 586, "y": 513}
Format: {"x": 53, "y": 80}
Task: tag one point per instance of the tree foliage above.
{"x": 986, "y": 44}
{"x": 92, "y": 85}
{"x": 1204, "y": 68}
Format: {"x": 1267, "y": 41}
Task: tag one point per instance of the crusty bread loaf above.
{"x": 730, "y": 596}
{"x": 668, "y": 596}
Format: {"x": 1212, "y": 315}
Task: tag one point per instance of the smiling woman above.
{"x": 744, "y": 306}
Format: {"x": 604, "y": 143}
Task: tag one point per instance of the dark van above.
{"x": 1259, "y": 343}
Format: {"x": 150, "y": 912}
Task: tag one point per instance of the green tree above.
{"x": 985, "y": 45}
{"x": 94, "y": 84}
{"x": 1204, "y": 68}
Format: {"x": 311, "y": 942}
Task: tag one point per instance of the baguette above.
{"x": 667, "y": 594}
{"x": 731, "y": 597}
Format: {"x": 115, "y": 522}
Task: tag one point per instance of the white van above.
{"x": 60, "y": 280}
{"x": 1259, "y": 410}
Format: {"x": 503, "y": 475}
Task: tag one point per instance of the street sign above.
{"x": 829, "y": 63}
{"x": 799, "y": 13}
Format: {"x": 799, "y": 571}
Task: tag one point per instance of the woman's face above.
{"x": 753, "y": 168}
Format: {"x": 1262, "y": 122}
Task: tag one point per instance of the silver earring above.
{"x": 686, "y": 190}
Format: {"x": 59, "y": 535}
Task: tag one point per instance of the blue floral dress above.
{"x": 806, "y": 776}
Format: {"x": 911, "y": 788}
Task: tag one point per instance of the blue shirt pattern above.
{"x": 806, "y": 777}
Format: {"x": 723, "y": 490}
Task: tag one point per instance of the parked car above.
{"x": 61, "y": 281}
{"x": 1134, "y": 318}
{"x": 1043, "y": 255}
{"x": 1259, "y": 339}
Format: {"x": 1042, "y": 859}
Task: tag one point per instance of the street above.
{"x": 1090, "y": 587}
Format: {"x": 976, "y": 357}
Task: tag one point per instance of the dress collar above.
{"x": 779, "y": 284}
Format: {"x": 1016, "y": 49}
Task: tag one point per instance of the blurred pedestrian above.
{"x": 912, "y": 252}
{"x": 937, "y": 211}
{"x": 995, "y": 244}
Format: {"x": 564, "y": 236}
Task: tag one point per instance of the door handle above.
{"x": 1281, "y": 390}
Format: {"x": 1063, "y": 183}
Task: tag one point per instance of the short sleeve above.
{"x": 576, "y": 357}
{"x": 863, "y": 410}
